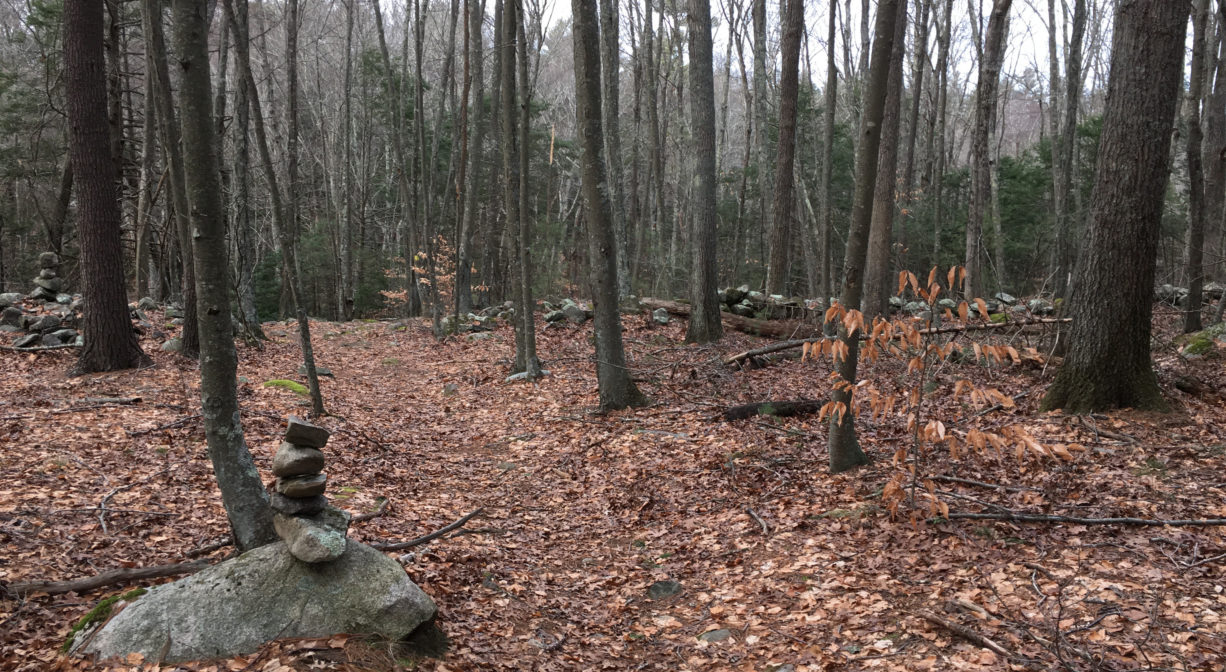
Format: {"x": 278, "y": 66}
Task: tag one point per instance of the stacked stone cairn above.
{"x": 48, "y": 285}
{"x": 313, "y": 530}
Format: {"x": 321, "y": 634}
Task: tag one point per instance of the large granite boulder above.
{"x": 234, "y": 607}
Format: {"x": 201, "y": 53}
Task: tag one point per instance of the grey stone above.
{"x": 172, "y": 312}
{"x": 316, "y": 538}
{"x": 238, "y": 605}
{"x": 63, "y": 299}
{"x": 947, "y": 304}
{"x": 302, "y": 487}
{"x": 450, "y": 389}
{"x": 49, "y": 340}
{"x": 45, "y": 323}
{"x": 292, "y": 460}
{"x": 54, "y": 285}
{"x": 48, "y": 260}
{"x": 1004, "y": 298}
{"x": 147, "y": 303}
{"x": 480, "y": 336}
{"x": 65, "y": 335}
{"x": 47, "y": 273}
{"x": 734, "y": 295}
{"x": 9, "y": 298}
{"x": 523, "y": 375}
{"x": 756, "y": 299}
{"x": 173, "y": 345}
{"x": 715, "y": 635}
{"x": 27, "y": 341}
{"x": 1040, "y": 306}
{"x": 11, "y": 316}
{"x": 574, "y": 314}
{"x": 659, "y": 316}
{"x": 41, "y": 294}
{"x": 319, "y": 371}
{"x": 662, "y": 589}
{"x": 302, "y": 433}
{"x": 554, "y": 316}
{"x": 297, "y": 507}
{"x": 743, "y": 309}
{"x": 896, "y": 302}
{"x": 9, "y": 329}
{"x": 914, "y": 307}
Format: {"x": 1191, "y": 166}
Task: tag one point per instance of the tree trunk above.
{"x": 476, "y": 141}
{"x": 110, "y": 343}
{"x": 169, "y": 126}
{"x": 244, "y": 227}
{"x": 981, "y": 151}
{"x": 705, "y": 325}
{"x": 1215, "y": 152}
{"x": 242, "y": 492}
{"x": 783, "y": 222}
{"x": 610, "y": 56}
{"x": 1108, "y": 364}
{"x": 845, "y": 452}
{"x": 761, "y": 113}
{"x": 877, "y": 285}
{"x": 1194, "y": 250}
{"x": 938, "y": 180}
{"x": 1067, "y": 215}
{"x": 617, "y": 390}
{"x": 826, "y": 216}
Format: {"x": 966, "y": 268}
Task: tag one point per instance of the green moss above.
{"x": 1199, "y": 344}
{"x": 292, "y": 386}
{"x": 998, "y": 318}
{"x": 99, "y": 613}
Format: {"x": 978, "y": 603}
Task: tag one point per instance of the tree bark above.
{"x": 1194, "y": 250}
{"x": 610, "y": 56}
{"x": 826, "y": 214}
{"x": 783, "y": 222}
{"x": 705, "y": 325}
{"x": 242, "y": 492}
{"x": 877, "y": 285}
{"x": 845, "y": 452}
{"x": 110, "y": 342}
{"x": 244, "y": 227}
{"x": 1108, "y": 364}
{"x": 981, "y": 151}
{"x": 617, "y": 390}
{"x": 1067, "y": 215}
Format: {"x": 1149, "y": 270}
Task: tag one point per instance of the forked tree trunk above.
{"x": 845, "y": 452}
{"x": 1108, "y": 363}
{"x": 242, "y": 492}
{"x": 617, "y": 390}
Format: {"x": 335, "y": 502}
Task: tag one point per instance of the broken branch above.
{"x": 400, "y": 546}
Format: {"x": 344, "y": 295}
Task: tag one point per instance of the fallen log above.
{"x": 107, "y": 578}
{"x": 948, "y": 329}
{"x": 782, "y": 409}
{"x": 747, "y": 325}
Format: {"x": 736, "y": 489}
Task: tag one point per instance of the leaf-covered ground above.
{"x": 582, "y": 512}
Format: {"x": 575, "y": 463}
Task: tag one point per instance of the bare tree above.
{"x": 705, "y": 322}
{"x": 783, "y": 220}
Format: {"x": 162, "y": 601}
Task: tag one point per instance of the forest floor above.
{"x": 582, "y": 512}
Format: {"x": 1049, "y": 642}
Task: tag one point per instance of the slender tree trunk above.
{"x": 169, "y": 126}
{"x": 110, "y": 343}
{"x": 761, "y": 114}
{"x": 610, "y": 53}
{"x": 476, "y": 141}
{"x": 877, "y": 286}
{"x": 1215, "y": 154}
{"x": 783, "y": 221}
{"x": 242, "y": 492}
{"x": 705, "y": 323}
{"x": 918, "y": 69}
{"x": 244, "y": 226}
{"x": 981, "y": 151}
{"x": 942, "y": 72}
{"x": 347, "y": 286}
{"x": 845, "y": 452}
{"x": 282, "y": 224}
{"x": 1067, "y": 216}
{"x": 826, "y": 217}
{"x": 1108, "y": 363}
{"x": 1194, "y": 251}
{"x": 617, "y": 390}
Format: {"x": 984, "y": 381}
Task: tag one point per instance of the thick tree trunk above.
{"x": 242, "y": 492}
{"x": 617, "y": 390}
{"x": 1108, "y": 363}
{"x": 783, "y": 223}
{"x": 981, "y": 151}
{"x": 845, "y": 452}
{"x": 705, "y": 325}
{"x": 110, "y": 343}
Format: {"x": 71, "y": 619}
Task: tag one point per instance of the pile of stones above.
{"x": 48, "y": 286}
{"x": 313, "y": 530}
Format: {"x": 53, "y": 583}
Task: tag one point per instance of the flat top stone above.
{"x": 302, "y": 433}
{"x": 292, "y": 460}
{"x": 299, "y": 487}
{"x": 48, "y": 260}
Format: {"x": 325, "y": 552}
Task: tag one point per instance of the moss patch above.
{"x": 292, "y": 386}
{"x": 99, "y": 613}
